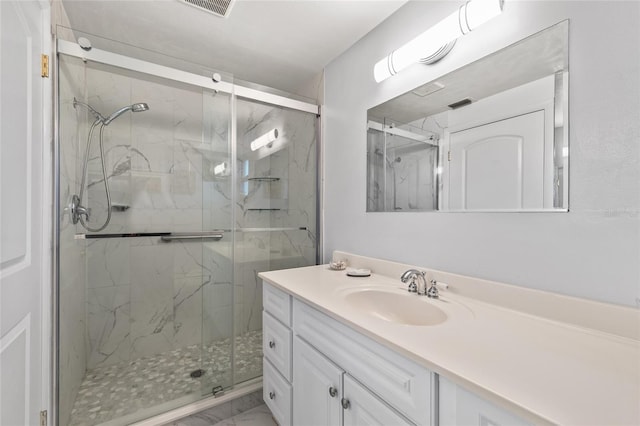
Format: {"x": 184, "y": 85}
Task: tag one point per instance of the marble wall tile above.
{"x": 152, "y": 291}
{"x": 188, "y": 259}
{"x": 218, "y": 324}
{"x": 107, "y": 90}
{"x": 187, "y": 117}
{"x": 187, "y": 310}
{"x": 108, "y": 263}
{"x": 109, "y": 325}
{"x": 154, "y": 126}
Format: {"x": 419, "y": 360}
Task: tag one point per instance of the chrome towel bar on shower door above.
{"x": 170, "y": 236}
{"x": 199, "y": 236}
{"x": 164, "y": 236}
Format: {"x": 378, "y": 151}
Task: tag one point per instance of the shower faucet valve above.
{"x": 77, "y": 210}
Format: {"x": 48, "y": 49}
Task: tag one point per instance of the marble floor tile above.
{"x": 107, "y": 393}
{"x": 258, "y": 416}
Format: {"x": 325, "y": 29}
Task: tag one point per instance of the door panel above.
{"x": 318, "y": 382}
{"x": 24, "y": 390}
{"x": 498, "y": 166}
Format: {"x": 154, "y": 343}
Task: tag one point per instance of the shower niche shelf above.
{"x": 266, "y": 193}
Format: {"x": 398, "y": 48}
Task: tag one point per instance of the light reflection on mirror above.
{"x": 490, "y": 136}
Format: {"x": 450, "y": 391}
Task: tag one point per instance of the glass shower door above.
{"x": 135, "y": 297}
{"x": 275, "y": 213}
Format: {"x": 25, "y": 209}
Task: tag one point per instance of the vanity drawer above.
{"x": 277, "y": 303}
{"x": 401, "y": 383}
{"x": 276, "y": 393}
{"x": 276, "y": 344}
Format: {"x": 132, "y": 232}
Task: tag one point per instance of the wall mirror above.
{"x": 490, "y": 136}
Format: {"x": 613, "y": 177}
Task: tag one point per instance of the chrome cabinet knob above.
{"x": 272, "y": 344}
{"x": 333, "y": 392}
{"x": 272, "y": 395}
{"x": 345, "y": 404}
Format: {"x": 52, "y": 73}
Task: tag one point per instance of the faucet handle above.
{"x": 432, "y": 292}
{"x": 413, "y": 287}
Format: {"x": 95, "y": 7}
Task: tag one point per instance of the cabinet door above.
{"x": 318, "y": 387}
{"x": 362, "y": 408}
{"x": 276, "y": 392}
{"x": 458, "y": 406}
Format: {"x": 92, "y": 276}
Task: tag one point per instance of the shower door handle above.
{"x": 216, "y": 236}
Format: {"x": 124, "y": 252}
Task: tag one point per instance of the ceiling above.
{"x": 280, "y": 44}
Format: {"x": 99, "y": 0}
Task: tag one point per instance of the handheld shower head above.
{"x": 138, "y": 107}
{"x": 90, "y": 108}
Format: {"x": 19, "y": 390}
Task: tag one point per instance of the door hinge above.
{"x": 448, "y": 155}
{"x": 45, "y": 66}
{"x": 43, "y": 418}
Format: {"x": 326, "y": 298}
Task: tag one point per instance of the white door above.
{"x": 362, "y": 408}
{"x": 25, "y": 216}
{"x": 498, "y": 166}
{"x": 318, "y": 385}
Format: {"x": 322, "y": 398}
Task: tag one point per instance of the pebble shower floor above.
{"x": 110, "y": 392}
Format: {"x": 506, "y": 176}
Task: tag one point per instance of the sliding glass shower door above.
{"x": 159, "y": 299}
{"x": 146, "y": 303}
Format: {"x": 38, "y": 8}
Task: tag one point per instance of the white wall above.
{"x": 592, "y": 251}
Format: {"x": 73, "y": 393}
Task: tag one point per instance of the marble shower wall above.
{"x": 145, "y": 296}
{"x": 72, "y": 325}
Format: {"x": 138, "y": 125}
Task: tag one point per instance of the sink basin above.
{"x": 399, "y": 308}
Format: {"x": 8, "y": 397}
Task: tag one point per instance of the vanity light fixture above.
{"x": 264, "y": 140}
{"x": 434, "y": 44}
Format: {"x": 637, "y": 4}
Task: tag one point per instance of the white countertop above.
{"x": 543, "y": 370}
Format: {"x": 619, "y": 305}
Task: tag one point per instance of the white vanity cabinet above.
{"x": 321, "y": 372}
{"x": 327, "y": 396}
{"x": 318, "y": 371}
{"x": 458, "y": 406}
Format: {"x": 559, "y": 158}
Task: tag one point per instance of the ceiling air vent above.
{"x": 217, "y": 7}
{"x": 460, "y": 104}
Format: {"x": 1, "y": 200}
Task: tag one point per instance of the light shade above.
{"x": 437, "y": 41}
{"x": 264, "y": 140}
{"x": 221, "y": 169}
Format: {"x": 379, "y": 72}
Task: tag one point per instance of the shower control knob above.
{"x": 272, "y": 344}
{"x": 272, "y": 395}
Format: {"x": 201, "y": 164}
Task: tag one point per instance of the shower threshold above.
{"x": 163, "y": 380}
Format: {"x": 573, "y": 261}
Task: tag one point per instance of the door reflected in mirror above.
{"x": 491, "y": 136}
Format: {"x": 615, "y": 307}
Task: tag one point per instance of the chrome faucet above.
{"x": 412, "y": 274}
{"x": 421, "y": 287}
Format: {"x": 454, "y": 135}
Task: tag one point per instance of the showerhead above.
{"x": 139, "y": 107}
{"x": 90, "y": 108}
{"x": 133, "y": 108}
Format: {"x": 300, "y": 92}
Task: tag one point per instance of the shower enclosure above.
{"x": 402, "y": 167}
{"x": 159, "y": 303}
